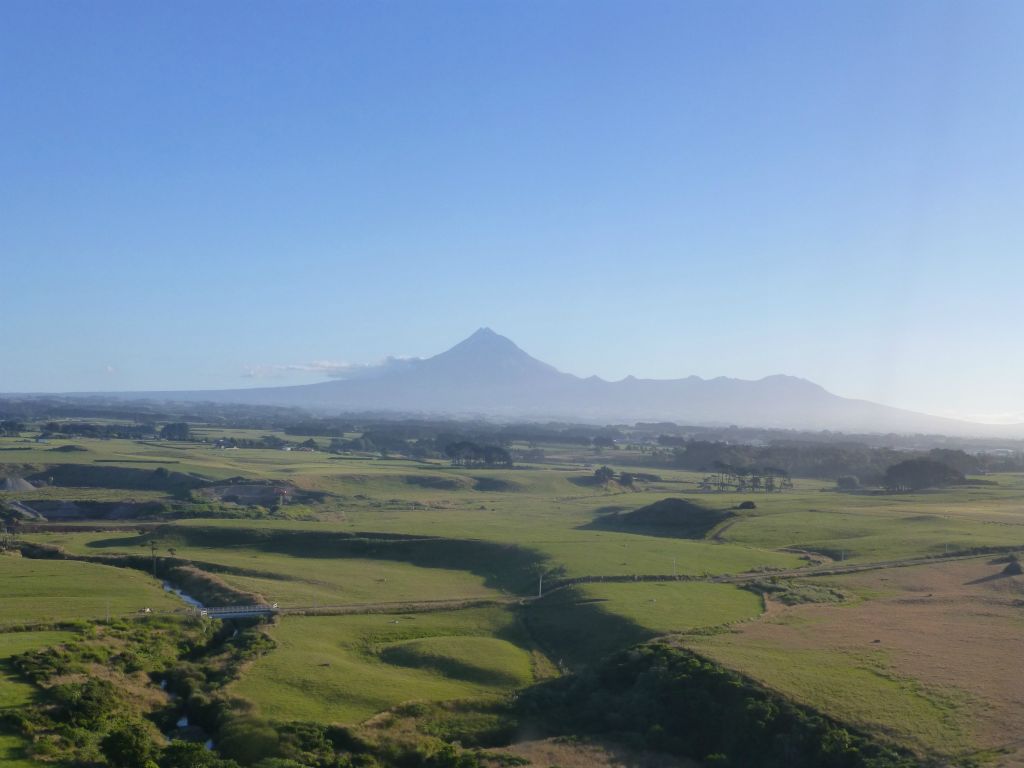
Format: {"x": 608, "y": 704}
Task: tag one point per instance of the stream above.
{"x": 187, "y": 598}
{"x": 182, "y": 723}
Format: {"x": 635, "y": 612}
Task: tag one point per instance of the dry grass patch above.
{"x": 578, "y": 753}
{"x": 929, "y": 656}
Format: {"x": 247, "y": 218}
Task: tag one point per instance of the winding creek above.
{"x": 182, "y": 723}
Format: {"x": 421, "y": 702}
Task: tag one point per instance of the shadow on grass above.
{"x": 502, "y": 566}
{"x": 575, "y": 631}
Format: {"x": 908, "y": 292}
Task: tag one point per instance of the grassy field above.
{"x": 667, "y": 607}
{"x": 542, "y": 507}
{"x": 580, "y": 625}
{"x": 305, "y": 582}
{"x": 44, "y": 591}
{"x": 347, "y": 668}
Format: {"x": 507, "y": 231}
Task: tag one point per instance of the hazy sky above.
{"x": 192, "y": 193}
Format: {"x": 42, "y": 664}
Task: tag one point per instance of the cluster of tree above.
{"x": 176, "y": 430}
{"x": 320, "y": 428}
{"x": 11, "y": 428}
{"x": 826, "y": 461}
{"x": 606, "y": 474}
{"x": 918, "y": 474}
{"x": 662, "y": 698}
{"x": 90, "y": 429}
{"x": 740, "y": 479}
{"x": 818, "y": 460}
{"x": 668, "y": 434}
{"x": 468, "y": 454}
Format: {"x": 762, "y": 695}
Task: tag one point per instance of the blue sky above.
{"x": 223, "y": 194}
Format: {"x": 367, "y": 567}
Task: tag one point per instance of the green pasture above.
{"x": 347, "y": 668}
{"x": 858, "y": 689}
{"x": 342, "y": 581}
{"x": 582, "y": 624}
{"x": 667, "y": 607}
{"x": 890, "y": 526}
{"x": 43, "y": 591}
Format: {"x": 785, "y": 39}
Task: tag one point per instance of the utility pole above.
{"x": 540, "y": 584}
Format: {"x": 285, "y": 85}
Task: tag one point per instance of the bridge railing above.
{"x": 230, "y": 610}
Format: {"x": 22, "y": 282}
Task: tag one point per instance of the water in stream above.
{"x": 188, "y": 599}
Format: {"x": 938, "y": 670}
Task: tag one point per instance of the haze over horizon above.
{"x": 237, "y": 195}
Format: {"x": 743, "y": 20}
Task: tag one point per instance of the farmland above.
{"x": 48, "y": 592}
{"x": 410, "y": 580}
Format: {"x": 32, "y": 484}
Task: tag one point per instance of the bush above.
{"x": 128, "y": 746}
{"x": 248, "y": 740}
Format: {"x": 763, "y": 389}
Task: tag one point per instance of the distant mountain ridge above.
{"x": 487, "y": 375}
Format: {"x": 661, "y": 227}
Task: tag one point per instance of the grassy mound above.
{"x": 125, "y": 478}
{"x": 494, "y": 485}
{"x": 669, "y": 517}
{"x": 436, "y": 482}
{"x": 331, "y": 668}
{"x": 482, "y": 660}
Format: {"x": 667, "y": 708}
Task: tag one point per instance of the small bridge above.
{"x": 238, "y": 611}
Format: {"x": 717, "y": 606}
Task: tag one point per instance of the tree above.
{"x": 626, "y": 479}
{"x": 186, "y": 754}
{"x": 604, "y": 474}
{"x": 848, "y": 483}
{"x": 468, "y": 454}
{"x": 917, "y": 474}
{"x": 248, "y": 740}
{"x": 11, "y": 428}
{"x": 128, "y": 746}
{"x": 176, "y": 431}
{"x": 962, "y": 462}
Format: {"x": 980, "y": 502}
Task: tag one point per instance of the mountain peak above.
{"x": 484, "y": 340}
{"x": 486, "y": 353}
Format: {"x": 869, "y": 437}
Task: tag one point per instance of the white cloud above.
{"x": 320, "y": 368}
{"x": 999, "y": 417}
